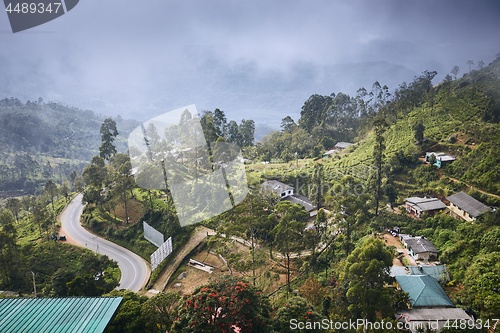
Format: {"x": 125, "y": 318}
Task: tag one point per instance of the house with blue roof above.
{"x": 430, "y": 307}
{"x": 423, "y": 291}
{"x": 442, "y": 159}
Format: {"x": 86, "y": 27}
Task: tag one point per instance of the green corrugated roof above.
{"x": 423, "y": 291}
{"x": 71, "y": 314}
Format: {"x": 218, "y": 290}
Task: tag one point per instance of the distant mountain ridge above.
{"x": 41, "y": 141}
{"x": 53, "y": 129}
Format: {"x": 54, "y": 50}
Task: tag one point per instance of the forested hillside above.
{"x": 41, "y": 141}
{"x": 460, "y": 117}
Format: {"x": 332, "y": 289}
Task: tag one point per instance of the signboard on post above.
{"x": 153, "y": 235}
{"x": 159, "y": 255}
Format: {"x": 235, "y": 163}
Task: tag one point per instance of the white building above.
{"x": 281, "y": 189}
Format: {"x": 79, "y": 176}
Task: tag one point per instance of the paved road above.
{"x": 135, "y": 270}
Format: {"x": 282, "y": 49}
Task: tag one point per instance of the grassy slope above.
{"x": 457, "y": 112}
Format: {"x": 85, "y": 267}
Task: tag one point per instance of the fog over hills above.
{"x": 256, "y": 60}
{"x": 242, "y": 92}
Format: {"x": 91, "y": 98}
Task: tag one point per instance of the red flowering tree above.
{"x": 224, "y": 306}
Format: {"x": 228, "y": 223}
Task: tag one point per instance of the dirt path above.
{"x": 475, "y": 188}
{"x": 390, "y": 240}
{"x": 200, "y": 234}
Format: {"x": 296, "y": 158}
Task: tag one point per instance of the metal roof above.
{"x": 441, "y": 156}
{"x": 424, "y": 291}
{"x": 331, "y": 151}
{"x": 468, "y": 204}
{"x": 435, "y": 319}
{"x": 425, "y": 204}
{"x": 276, "y": 186}
{"x": 71, "y": 314}
{"x": 398, "y": 270}
{"x": 438, "y": 272}
{"x": 343, "y": 145}
{"x": 301, "y": 200}
{"x": 420, "y": 245}
{"x": 435, "y": 314}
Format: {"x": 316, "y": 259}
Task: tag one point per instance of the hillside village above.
{"x": 393, "y": 218}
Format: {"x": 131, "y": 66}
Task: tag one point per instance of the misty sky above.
{"x": 252, "y": 59}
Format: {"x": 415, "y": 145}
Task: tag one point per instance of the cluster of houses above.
{"x": 429, "y": 305}
{"x": 430, "y": 308}
{"x": 459, "y": 205}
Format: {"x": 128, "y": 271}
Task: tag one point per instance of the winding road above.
{"x": 134, "y": 270}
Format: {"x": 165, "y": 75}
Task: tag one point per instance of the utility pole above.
{"x": 34, "y": 284}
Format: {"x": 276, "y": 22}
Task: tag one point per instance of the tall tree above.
{"x": 348, "y": 198}
{"x": 123, "y": 179}
{"x": 246, "y": 132}
{"x": 108, "y": 134}
{"x": 288, "y": 234}
{"x": 51, "y": 190}
{"x": 455, "y": 70}
{"x": 14, "y": 205}
{"x": 313, "y": 111}
{"x": 220, "y": 122}
{"x": 94, "y": 177}
{"x": 315, "y": 234}
{"x": 209, "y": 129}
{"x": 366, "y": 272}
{"x": 232, "y": 133}
{"x": 8, "y": 249}
{"x": 161, "y": 311}
{"x": 41, "y": 216}
{"x": 470, "y": 63}
{"x": 418, "y": 129}
{"x": 380, "y": 126}
{"x": 288, "y": 124}
{"x": 317, "y": 186}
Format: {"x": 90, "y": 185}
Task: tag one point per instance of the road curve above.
{"x": 134, "y": 270}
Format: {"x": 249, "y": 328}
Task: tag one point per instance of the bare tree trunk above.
{"x": 253, "y": 260}
{"x": 288, "y": 272}
{"x": 126, "y": 206}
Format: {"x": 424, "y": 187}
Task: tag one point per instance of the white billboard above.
{"x": 159, "y": 255}
{"x": 153, "y": 235}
